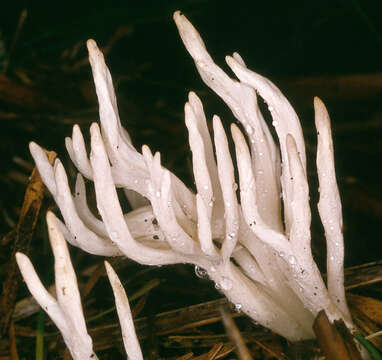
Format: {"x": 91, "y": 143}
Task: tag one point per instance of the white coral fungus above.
{"x": 66, "y": 310}
{"x": 272, "y": 277}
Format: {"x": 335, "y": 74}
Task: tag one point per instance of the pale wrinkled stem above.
{"x": 66, "y": 310}
{"x": 329, "y": 207}
{"x": 130, "y": 340}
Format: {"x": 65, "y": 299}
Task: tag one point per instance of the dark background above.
{"x": 331, "y": 49}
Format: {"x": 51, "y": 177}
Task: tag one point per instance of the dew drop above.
{"x": 270, "y": 108}
{"x": 226, "y": 283}
{"x": 249, "y": 129}
{"x": 205, "y": 187}
{"x": 200, "y": 272}
{"x": 238, "y": 307}
{"x": 213, "y": 268}
{"x": 281, "y": 254}
{"x": 157, "y": 194}
{"x": 275, "y": 123}
{"x": 292, "y": 260}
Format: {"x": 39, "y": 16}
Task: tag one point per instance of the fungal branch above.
{"x": 258, "y": 257}
{"x": 66, "y": 310}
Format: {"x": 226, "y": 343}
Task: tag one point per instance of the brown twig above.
{"x": 185, "y": 356}
{"x": 97, "y": 273}
{"x": 214, "y": 351}
{"x": 277, "y": 355}
{"x": 22, "y": 237}
{"x": 12, "y": 340}
{"x": 121, "y": 32}
{"x": 235, "y": 335}
{"x": 335, "y": 339}
{"x": 218, "y": 351}
{"x": 362, "y": 275}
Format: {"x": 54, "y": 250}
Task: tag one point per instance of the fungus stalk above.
{"x": 259, "y": 257}
{"x": 66, "y": 310}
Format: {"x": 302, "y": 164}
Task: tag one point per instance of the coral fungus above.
{"x": 251, "y": 234}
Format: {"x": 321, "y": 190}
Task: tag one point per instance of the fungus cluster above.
{"x": 250, "y": 234}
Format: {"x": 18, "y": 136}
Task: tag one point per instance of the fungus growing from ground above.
{"x": 251, "y": 235}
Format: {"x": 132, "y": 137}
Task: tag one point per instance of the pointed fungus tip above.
{"x": 91, "y": 44}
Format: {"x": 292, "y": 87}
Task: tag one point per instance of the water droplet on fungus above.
{"x": 226, "y": 283}
{"x": 238, "y": 307}
{"x": 200, "y": 272}
{"x": 292, "y": 260}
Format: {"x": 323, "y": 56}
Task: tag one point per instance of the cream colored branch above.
{"x": 129, "y": 337}
{"x": 229, "y": 187}
{"x": 66, "y": 310}
{"x": 329, "y": 207}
